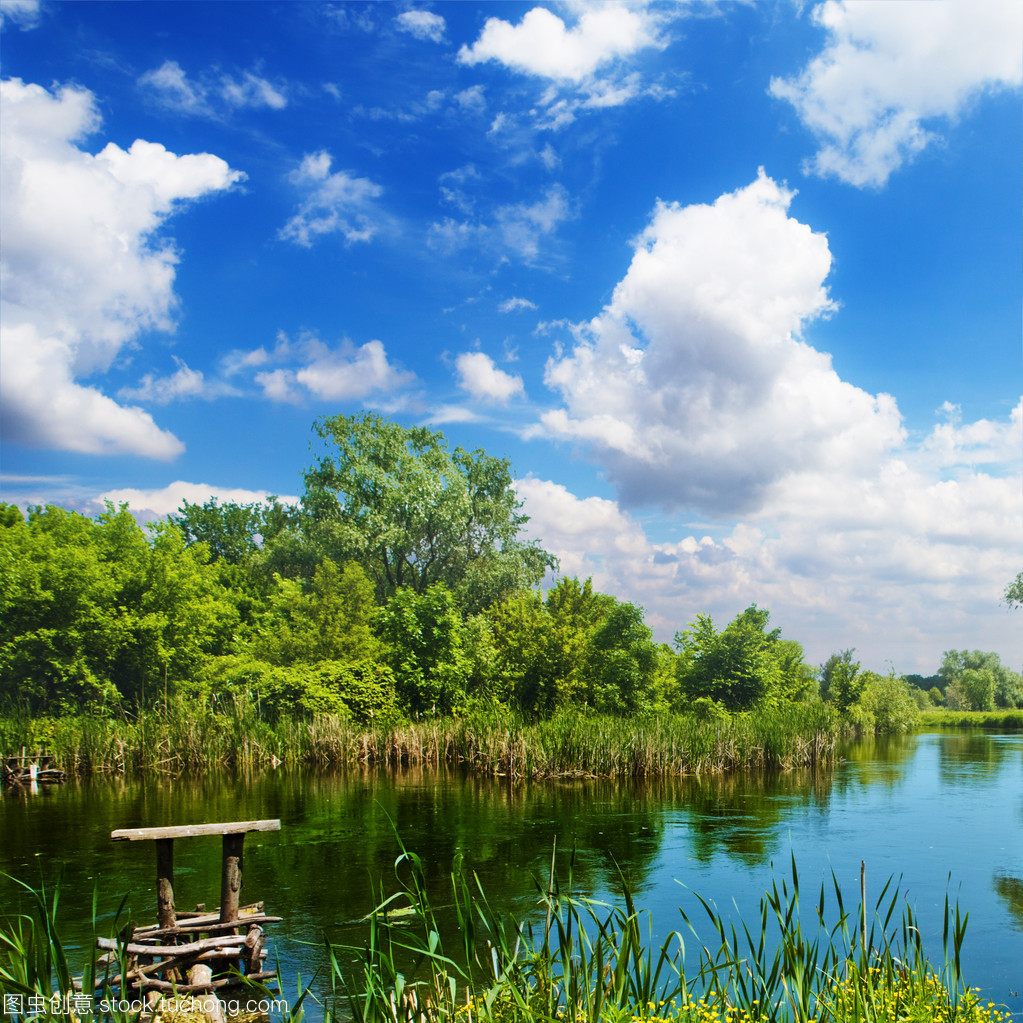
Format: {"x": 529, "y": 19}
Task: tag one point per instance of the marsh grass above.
{"x": 582, "y": 961}
{"x": 587, "y": 962}
{"x": 496, "y": 743}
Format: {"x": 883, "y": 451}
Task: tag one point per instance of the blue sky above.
{"x": 735, "y": 286}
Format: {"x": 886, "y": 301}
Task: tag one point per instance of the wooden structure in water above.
{"x": 192, "y": 953}
{"x": 26, "y": 768}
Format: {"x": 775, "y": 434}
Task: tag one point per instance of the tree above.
{"x": 977, "y": 680}
{"x": 414, "y": 513}
{"x": 622, "y": 661}
{"x": 736, "y": 667}
{"x": 423, "y": 632}
{"x": 840, "y": 681}
{"x": 1013, "y": 595}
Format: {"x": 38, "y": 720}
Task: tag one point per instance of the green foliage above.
{"x": 232, "y": 532}
{"x": 423, "y": 632}
{"x": 331, "y": 619}
{"x": 97, "y": 612}
{"x": 1013, "y": 595}
{"x": 841, "y": 682}
{"x": 414, "y": 513}
{"x": 622, "y": 662}
{"x": 976, "y": 680}
{"x": 888, "y": 701}
{"x": 737, "y": 667}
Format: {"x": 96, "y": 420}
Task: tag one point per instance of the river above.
{"x": 943, "y": 811}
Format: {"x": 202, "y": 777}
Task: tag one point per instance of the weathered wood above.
{"x": 165, "y": 882}
{"x": 212, "y": 927}
{"x": 152, "y": 984}
{"x": 192, "y": 948}
{"x": 209, "y": 1004}
{"x": 189, "y": 919}
{"x": 254, "y": 942}
{"x": 231, "y": 877}
{"x": 193, "y": 830}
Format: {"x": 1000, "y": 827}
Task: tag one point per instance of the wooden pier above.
{"x": 192, "y": 953}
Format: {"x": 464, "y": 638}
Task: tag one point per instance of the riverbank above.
{"x": 490, "y": 743}
{"x": 1008, "y": 719}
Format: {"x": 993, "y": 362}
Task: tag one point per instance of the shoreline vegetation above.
{"x": 576, "y": 960}
{"x": 490, "y": 743}
{"x": 495, "y": 743}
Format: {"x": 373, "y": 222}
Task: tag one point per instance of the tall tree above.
{"x": 414, "y": 513}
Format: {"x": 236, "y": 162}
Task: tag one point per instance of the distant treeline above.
{"x": 400, "y": 587}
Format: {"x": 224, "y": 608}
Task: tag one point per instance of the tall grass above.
{"x": 493, "y": 742}
{"x": 586, "y": 962}
{"x": 583, "y": 961}
{"x": 940, "y": 718}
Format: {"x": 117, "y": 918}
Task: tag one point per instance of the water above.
{"x": 944, "y": 811}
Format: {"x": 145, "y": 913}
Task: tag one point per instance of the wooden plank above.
{"x": 213, "y": 928}
{"x": 193, "y": 830}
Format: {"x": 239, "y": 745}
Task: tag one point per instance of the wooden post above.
{"x": 165, "y": 911}
{"x": 231, "y": 877}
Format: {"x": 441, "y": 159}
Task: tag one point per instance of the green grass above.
{"x": 971, "y": 719}
{"x": 582, "y": 961}
{"x": 494, "y": 743}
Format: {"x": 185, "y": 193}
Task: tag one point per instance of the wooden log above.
{"x": 165, "y": 882}
{"x": 209, "y": 1004}
{"x": 231, "y": 876}
{"x": 149, "y": 984}
{"x": 186, "y": 918}
{"x": 192, "y": 948}
{"x": 193, "y": 830}
{"x": 254, "y": 942}
{"x": 212, "y": 927}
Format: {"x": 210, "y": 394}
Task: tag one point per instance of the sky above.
{"x": 735, "y": 287}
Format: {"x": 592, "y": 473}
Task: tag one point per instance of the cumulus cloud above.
{"x": 334, "y": 203}
{"x": 212, "y": 90}
{"x": 581, "y": 65}
{"x": 85, "y": 269}
{"x": 159, "y": 502}
{"x": 889, "y": 72}
{"x": 543, "y": 46}
{"x": 297, "y": 370}
{"x": 692, "y": 387}
{"x": 478, "y": 375}
{"x": 422, "y": 24}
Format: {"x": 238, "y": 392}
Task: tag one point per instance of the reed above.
{"x": 494, "y": 742}
{"x": 586, "y": 962}
{"x": 580, "y": 961}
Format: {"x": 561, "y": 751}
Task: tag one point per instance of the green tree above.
{"x": 1013, "y": 595}
{"x": 423, "y": 632}
{"x": 888, "y": 700}
{"x": 736, "y": 667}
{"x": 622, "y": 661}
{"x": 329, "y": 619}
{"x": 841, "y": 683}
{"x": 977, "y": 680}
{"x": 414, "y": 513}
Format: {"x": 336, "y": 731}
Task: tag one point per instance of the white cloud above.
{"x": 541, "y": 44}
{"x": 519, "y": 228}
{"x": 692, "y": 387}
{"x": 581, "y": 65}
{"x": 23, "y": 13}
{"x": 422, "y": 24}
{"x": 200, "y": 96}
{"x": 85, "y": 270}
{"x": 889, "y": 72}
{"x": 511, "y": 305}
{"x": 162, "y": 501}
{"x": 333, "y": 203}
{"x": 478, "y": 375}
{"x": 184, "y": 383}
{"x": 295, "y": 371}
